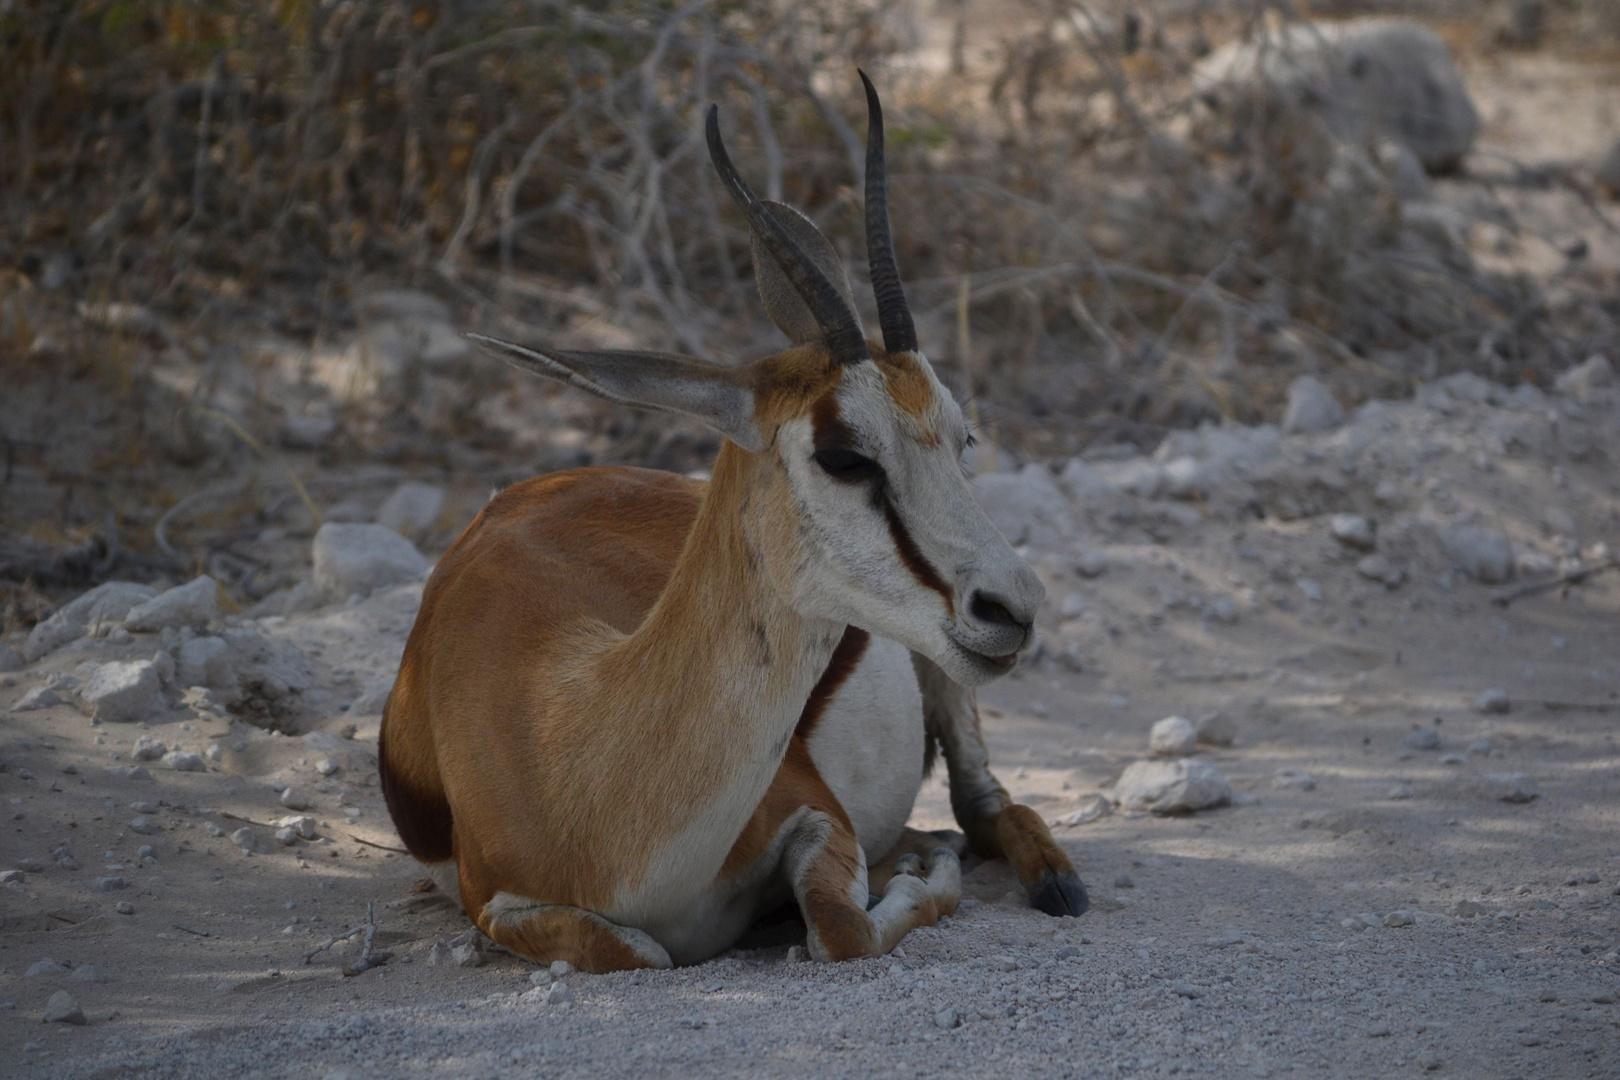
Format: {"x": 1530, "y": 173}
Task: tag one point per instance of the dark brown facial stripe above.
{"x": 912, "y": 556}
{"x": 827, "y": 427}
{"x": 851, "y": 647}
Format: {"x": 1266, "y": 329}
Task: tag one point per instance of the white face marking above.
{"x": 902, "y": 549}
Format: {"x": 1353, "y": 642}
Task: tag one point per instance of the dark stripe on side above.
{"x": 851, "y": 647}
{"x": 912, "y": 556}
{"x": 422, "y": 821}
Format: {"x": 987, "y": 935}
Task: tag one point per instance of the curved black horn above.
{"x": 839, "y": 328}
{"x": 899, "y": 333}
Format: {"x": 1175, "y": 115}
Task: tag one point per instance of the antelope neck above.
{"x": 726, "y": 658}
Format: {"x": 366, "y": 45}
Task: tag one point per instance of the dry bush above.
{"x": 1093, "y": 253}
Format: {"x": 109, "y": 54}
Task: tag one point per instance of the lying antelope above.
{"x": 636, "y": 710}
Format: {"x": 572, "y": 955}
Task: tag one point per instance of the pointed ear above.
{"x": 782, "y": 301}
{"x": 720, "y": 397}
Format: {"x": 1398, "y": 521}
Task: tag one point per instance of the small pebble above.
{"x": 326, "y": 766}
{"x": 1423, "y": 739}
{"x": 559, "y": 994}
{"x": 109, "y": 884}
{"x": 293, "y": 800}
{"x": 46, "y": 966}
{"x": 89, "y": 973}
{"x": 144, "y": 825}
{"x": 1494, "y": 700}
{"x": 1294, "y": 778}
{"x": 1399, "y": 792}
{"x": 146, "y": 852}
{"x": 1399, "y": 918}
{"x": 947, "y": 1019}
{"x": 1124, "y": 881}
{"x": 540, "y": 978}
{"x": 1430, "y": 1062}
{"x": 1378, "y": 1031}
{"x": 1005, "y": 963}
{"x": 124, "y": 907}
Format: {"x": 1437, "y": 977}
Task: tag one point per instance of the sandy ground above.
{"x": 1250, "y": 940}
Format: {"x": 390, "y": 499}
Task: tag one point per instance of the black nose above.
{"x": 989, "y": 608}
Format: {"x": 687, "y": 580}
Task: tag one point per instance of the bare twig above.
{"x": 1574, "y": 577}
{"x": 381, "y": 847}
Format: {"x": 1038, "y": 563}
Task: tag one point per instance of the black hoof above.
{"x": 1059, "y": 894}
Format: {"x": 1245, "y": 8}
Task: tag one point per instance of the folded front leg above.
{"x": 994, "y": 824}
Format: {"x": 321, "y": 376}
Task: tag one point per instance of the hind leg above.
{"x": 994, "y": 824}
{"x": 915, "y": 843}
{"x": 802, "y": 832}
{"x": 546, "y": 932}
{"x": 824, "y": 865}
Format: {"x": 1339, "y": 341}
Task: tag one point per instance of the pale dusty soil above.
{"x": 1243, "y": 907}
{"x": 1236, "y": 951}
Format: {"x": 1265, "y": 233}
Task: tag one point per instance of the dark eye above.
{"x": 846, "y": 465}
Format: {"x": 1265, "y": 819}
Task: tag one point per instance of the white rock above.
{"x": 301, "y": 824}
{"x": 1222, "y": 608}
{"x": 1592, "y": 375}
{"x": 1173, "y": 736}
{"x": 1095, "y": 808}
{"x": 184, "y": 761}
{"x": 245, "y": 838}
{"x": 286, "y": 837}
{"x": 1311, "y": 407}
{"x": 373, "y": 697}
{"x": 1366, "y": 78}
{"x": 193, "y": 604}
{"x": 206, "y": 661}
{"x": 1090, "y": 564}
{"x": 10, "y": 659}
{"x": 1423, "y": 739}
{"x": 292, "y": 800}
{"x": 1378, "y": 568}
{"x": 1484, "y": 554}
{"x": 1293, "y": 778}
{"x": 326, "y": 766}
{"x": 1507, "y": 787}
{"x": 1400, "y": 918}
{"x": 40, "y": 697}
{"x": 89, "y": 973}
{"x": 1073, "y": 606}
{"x": 559, "y": 994}
{"x": 51, "y": 634}
{"x": 144, "y": 825}
{"x": 468, "y": 955}
{"x": 148, "y": 749}
{"x": 1085, "y": 483}
{"x": 561, "y": 969}
{"x": 1186, "y": 478}
{"x": 1137, "y": 476}
{"x": 1027, "y": 506}
{"x": 353, "y": 559}
{"x": 46, "y": 966}
{"x": 412, "y": 509}
{"x": 124, "y": 691}
{"x": 1169, "y": 787}
{"x": 1311, "y": 588}
{"x": 1354, "y": 531}
{"x": 110, "y": 602}
{"x": 300, "y": 431}
{"x": 1216, "y": 729}
{"x": 1494, "y": 700}
{"x": 62, "y": 1009}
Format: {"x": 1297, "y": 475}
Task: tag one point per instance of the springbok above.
{"x": 636, "y": 711}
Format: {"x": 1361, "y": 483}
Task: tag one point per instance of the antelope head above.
{"x": 866, "y": 516}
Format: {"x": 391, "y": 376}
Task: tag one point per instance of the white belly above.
{"x": 868, "y": 745}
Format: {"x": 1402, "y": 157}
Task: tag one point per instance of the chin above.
{"x": 972, "y": 669}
